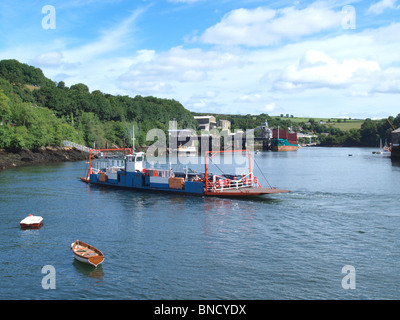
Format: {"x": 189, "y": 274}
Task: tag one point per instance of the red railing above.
{"x": 221, "y": 183}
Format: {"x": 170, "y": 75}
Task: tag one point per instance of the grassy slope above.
{"x": 344, "y": 126}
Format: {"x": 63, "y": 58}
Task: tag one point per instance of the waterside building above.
{"x": 395, "y": 154}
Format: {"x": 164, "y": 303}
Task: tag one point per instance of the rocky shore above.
{"x": 43, "y": 155}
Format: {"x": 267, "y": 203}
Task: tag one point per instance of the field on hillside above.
{"x": 342, "y": 124}
{"x": 348, "y": 125}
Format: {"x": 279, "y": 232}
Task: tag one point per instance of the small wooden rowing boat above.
{"x": 31, "y": 221}
{"x": 86, "y": 253}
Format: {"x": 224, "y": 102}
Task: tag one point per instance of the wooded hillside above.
{"x": 35, "y": 111}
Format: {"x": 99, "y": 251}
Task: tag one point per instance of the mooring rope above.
{"x": 262, "y": 173}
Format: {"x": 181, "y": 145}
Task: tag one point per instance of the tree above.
{"x": 352, "y": 138}
{"x": 79, "y": 99}
{"x": 101, "y": 105}
{"x": 21, "y": 73}
{"x": 5, "y": 112}
{"x": 396, "y": 121}
{"x": 61, "y": 85}
{"x": 53, "y": 98}
{"x": 369, "y": 133}
{"x": 90, "y": 126}
{"x": 6, "y": 136}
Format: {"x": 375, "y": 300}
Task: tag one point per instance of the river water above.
{"x": 343, "y": 211}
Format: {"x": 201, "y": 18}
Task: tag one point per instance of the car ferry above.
{"x": 126, "y": 169}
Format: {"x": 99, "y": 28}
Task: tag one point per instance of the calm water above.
{"x": 343, "y": 210}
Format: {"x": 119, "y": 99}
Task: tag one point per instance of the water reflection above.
{"x": 89, "y": 270}
{"x": 32, "y": 228}
{"x": 340, "y": 211}
{"x": 395, "y": 162}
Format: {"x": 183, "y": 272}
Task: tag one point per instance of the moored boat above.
{"x": 283, "y": 145}
{"x": 187, "y": 151}
{"x": 380, "y": 148}
{"x": 86, "y": 253}
{"x": 282, "y": 140}
{"x": 31, "y": 221}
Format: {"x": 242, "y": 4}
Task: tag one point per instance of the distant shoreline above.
{"x": 26, "y": 157}
{"x": 44, "y": 155}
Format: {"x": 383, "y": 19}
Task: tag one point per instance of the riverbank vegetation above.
{"x": 35, "y": 112}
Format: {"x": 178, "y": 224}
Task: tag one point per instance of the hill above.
{"x": 35, "y": 112}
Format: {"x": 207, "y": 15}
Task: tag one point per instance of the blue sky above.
{"x": 328, "y": 58}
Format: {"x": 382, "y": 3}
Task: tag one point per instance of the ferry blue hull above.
{"x": 141, "y": 182}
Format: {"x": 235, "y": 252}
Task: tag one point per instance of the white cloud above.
{"x": 111, "y": 40}
{"x": 353, "y": 64}
{"x": 178, "y": 65}
{"x": 264, "y": 27}
{"x": 256, "y": 97}
{"x": 318, "y": 70}
{"x": 388, "y": 81}
{"x": 206, "y": 95}
{"x": 379, "y": 7}
{"x": 50, "y": 59}
{"x": 269, "y": 107}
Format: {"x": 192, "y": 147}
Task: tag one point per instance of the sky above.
{"x": 323, "y": 59}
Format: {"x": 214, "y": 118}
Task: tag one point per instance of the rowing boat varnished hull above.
{"x": 86, "y": 253}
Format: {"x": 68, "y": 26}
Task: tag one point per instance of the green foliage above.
{"x": 369, "y": 133}
{"x": 89, "y": 124}
{"x": 6, "y": 136}
{"x": 396, "y": 121}
{"x": 5, "y": 111}
{"x": 21, "y": 73}
{"x": 82, "y": 116}
{"x": 352, "y": 138}
{"x": 23, "y": 125}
